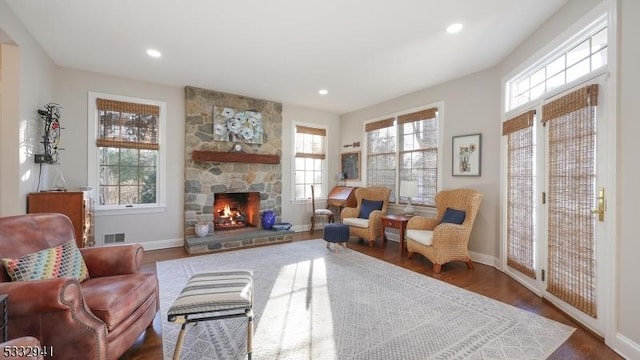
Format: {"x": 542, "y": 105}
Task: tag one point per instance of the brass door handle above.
{"x": 600, "y": 209}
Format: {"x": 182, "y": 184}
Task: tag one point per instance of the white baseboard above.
{"x": 485, "y": 259}
{"x": 625, "y": 347}
{"x": 162, "y": 244}
{"x": 305, "y": 227}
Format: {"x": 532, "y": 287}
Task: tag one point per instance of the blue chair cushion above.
{"x": 453, "y": 216}
{"x": 367, "y": 206}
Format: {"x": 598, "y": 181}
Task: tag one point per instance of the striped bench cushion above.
{"x": 214, "y": 291}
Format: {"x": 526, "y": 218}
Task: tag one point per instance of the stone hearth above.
{"x": 228, "y": 240}
{"x": 204, "y": 177}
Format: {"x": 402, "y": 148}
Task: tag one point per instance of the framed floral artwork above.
{"x": 466, "y": 155}
{"x": 237, "y": 125}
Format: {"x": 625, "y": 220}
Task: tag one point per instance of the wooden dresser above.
{"x": 77, "y": 205}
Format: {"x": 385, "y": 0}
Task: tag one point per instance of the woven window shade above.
{"x": 382, "y": 157}
{"x": 310, "y": 142}
{"x": 127, "y": 125}
{"x": 519, "y": 122}
{"x": 418, "y": 115}
{"x": 310, "y": 130}
{"x": 378, "y": 125}
{"x": 571, "y": 196}
{"x": 520, "y": 193}
{"x": 419, "y": 153}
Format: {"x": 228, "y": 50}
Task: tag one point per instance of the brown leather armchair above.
{"x": 99, "y": 318}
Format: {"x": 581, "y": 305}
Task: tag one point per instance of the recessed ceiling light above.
{"x": 454, "y": 28}
{"x": 154, "y": 53}
{"x": 323, "y": 91}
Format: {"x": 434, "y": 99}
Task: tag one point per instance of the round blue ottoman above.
{"x": 336, "y": 233}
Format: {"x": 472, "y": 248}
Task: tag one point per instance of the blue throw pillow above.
{"x": 453, "y": 216}
{"x": 368, "y": 206}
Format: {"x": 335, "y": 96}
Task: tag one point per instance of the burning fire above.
{"x": 230, "y": 218}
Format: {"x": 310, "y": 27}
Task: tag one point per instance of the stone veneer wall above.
{"x": 203, "y": 179}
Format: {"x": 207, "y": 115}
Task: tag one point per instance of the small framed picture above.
{"x": 350, "y": 165}
{"x": 466, "y": 152}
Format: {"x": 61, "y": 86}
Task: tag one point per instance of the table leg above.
{"x": 402, "y": 240}
{"x": 384, "y": 237}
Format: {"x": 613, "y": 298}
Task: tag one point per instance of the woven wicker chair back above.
{"x": 460, "y": 199}
{"x": 376, "y": 194}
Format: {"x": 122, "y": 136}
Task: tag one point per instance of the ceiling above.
{"x": 362, "y": 51}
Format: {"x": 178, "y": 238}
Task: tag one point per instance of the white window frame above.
{"x": 439, "y": 118}
{"x": 547, "y": 56}
{"x": 325, "y": 166}
{"x": 93, "y": 167}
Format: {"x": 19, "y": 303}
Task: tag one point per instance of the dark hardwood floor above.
{"x": 484, "y": 280}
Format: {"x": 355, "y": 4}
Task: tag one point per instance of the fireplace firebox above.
{"x": 233, "y": 211}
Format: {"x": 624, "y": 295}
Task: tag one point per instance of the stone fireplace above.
{"x": 214, "y": 168}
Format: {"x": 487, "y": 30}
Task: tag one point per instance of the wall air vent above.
{"x": 113, "y": 238}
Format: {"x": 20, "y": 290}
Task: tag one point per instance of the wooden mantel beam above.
{"x": 239, "y": 157}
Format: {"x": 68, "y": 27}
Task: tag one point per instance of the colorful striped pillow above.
{"x": 62, "y": 261}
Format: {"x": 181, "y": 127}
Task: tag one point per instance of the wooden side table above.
{"x": 397, "y": 222}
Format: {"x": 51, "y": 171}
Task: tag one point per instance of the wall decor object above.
{"x": 51, "y": 138}
{"x": 350, "y": 165}
{"x": 465, "y": 153}
{"x": 237, "y": 125}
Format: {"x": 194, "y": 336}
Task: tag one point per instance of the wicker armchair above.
{"x": 368, "y": 229}
{"x": 443, "y": 242}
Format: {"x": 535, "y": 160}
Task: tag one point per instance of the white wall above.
{"x": 471, "y": 105}
{"x": 298, "y": 212}
{"x": 21, "y": 130}
{"x": 9, "y": 145}
{"x": 154, "y": 230}
{"x": 628, "y": 315}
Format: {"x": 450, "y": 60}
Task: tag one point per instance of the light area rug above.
{"x": 311, "y": 303}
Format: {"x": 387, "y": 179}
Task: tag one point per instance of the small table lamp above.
{"x": 409, "y": 189}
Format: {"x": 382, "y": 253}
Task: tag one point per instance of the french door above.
{"x": 556, "y": 190}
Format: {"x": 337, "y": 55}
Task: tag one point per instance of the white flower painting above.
{"x": 237, "y": 126}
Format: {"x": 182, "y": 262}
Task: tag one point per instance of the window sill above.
{"x": 308, "y": 201}
{"x": 129, "y": 211}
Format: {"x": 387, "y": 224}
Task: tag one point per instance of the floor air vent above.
{"x": 113, "y": 238}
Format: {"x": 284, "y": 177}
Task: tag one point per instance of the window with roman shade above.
{"x": 571, "y": 122}
{"x": 381, "y": 154}
{"x": 405, "y": 148}
{"x": 309, "y": 161}
{"x": 419, "y": 153}
{"x": 127, "y": 142}
{"x": 520, "y": 209}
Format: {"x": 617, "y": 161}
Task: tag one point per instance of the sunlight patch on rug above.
{"x": 314, "y": 304}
